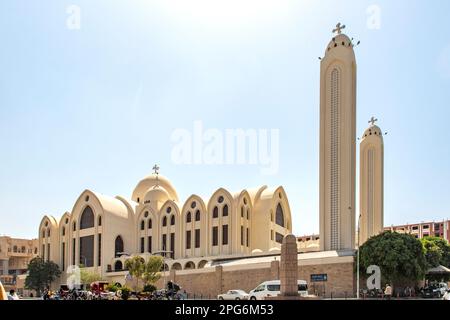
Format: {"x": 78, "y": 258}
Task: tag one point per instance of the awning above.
{"x": 439, "y": 270}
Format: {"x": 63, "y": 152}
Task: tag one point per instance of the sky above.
{"x": 91, "y": 93}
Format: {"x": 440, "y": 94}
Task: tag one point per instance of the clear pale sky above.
{"x": 95, "y": 108}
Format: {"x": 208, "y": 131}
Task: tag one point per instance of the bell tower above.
{"x": 337, "y": 144}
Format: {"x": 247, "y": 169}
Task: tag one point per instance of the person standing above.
{"x": 12, "y": 295}
{"x": 388, "y": 292}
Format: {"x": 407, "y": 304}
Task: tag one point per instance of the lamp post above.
{"x": 163, "y": 254}
{"x": 357, "y": 260}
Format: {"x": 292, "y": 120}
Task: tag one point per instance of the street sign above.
{"x": 319, "y": 278}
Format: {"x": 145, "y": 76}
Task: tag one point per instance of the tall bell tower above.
{"x": 337, "y": 144}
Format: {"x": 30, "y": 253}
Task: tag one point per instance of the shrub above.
{"x": 149, "y": 288}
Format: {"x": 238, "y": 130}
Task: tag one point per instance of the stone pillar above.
{"x": 289, "y": 267}
{"x": 219, "y": 270}
{"x": 4, "y": 266}
{"x": 275, "y": 270}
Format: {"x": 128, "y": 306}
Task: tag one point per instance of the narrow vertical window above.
{"x": 225, "y": 234}
{"x": 188, "y": 239}
{"x": 197, "y": 238}
{"x": 215, "y": 236}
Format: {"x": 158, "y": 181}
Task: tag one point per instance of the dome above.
{"x": 149, "y": 183}
{"x": 372, "y": 131}
{"x": 340, "y": 40}
{"x": 156, "y": 194}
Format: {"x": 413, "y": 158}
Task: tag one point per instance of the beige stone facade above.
{"x": 101, "y": 232}
{"x": 15, "y": 254}
{"x": 371, "y": 182}
{"x": 337, "y": 145}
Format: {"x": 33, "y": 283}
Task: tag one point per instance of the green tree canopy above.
{"x": 87, "y": 277}
{"x": 152, "y": 270}
{"x": 136, "y": 268}
{"x": 400, "y": 257}
{"x": 41, "y": 274}
{"x": 437, "y": 251}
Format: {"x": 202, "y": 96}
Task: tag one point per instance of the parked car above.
{"x": 272, "y": 289}
{"x": 443, "y": 288}
{"x": 432, "y": 291}
{"x": 234, "y": 295}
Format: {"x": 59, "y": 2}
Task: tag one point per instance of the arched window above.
{"x": 242, "y": 211}
{"x": 188, "y": 217}
{"x": 197, "y": 215}
{"x": 215, "y": 212}
{"x": 48, "y": 232}
{"x": 225, "y": 211}
{"x": 64, "y": 231}
{"x": 118, "y": 266}
{"x": 43, "y": 233}
{"x": 15, "y": 249}
{"x": 118, "y": 246}
{"x": 100, "y": 221}
{"x": 74, "y": 226}
{"x": 248, "y": 214}
{"x": 172, "y": 220}
{"x": 24, "y": 249}
{"x": 87, "y": 218}
{"x": 279, "y": 218}
{"x": 142, "y": 224}
{"x": 164, "y": 222}
{"x": 149, "y": 223}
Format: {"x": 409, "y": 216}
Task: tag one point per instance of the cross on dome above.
{"x": 156, "y": 171}
{"x": 339, "y": 28}
{"x": 373, "y": 120}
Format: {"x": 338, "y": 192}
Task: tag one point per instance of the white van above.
{"x": 272, "y": 289}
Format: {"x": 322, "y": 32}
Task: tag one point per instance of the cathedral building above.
{"x": 233, "y": 240}
{"x": 101, "y": 232}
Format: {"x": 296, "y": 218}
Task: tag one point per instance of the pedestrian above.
{"x": 388, "y": 292}
{"x": 12, "y": 295}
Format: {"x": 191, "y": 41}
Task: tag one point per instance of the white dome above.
{"x": 149, "y": 183}
{"x": 156, "y": 194}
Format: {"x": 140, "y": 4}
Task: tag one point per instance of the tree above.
{"x": 136, "y": 268}
{"x": 87, "y": 277}
{"x": 152, "y": 270}
{"x": 41, "y": 274}
{"x": 400, "y": 257}
{"x": 437, "y": 251}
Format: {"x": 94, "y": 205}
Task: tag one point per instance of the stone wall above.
{"x": 210, "y": 282}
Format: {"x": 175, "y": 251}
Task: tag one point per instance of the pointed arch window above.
{"x": 100, "y": 221}
{"x": 48, "y": 232}
{"x": 188, "y": 217}
{"x": 172, "y": 220}
{"x": 279, "y": 216}
{"x": 225, "y": 211}
{"x": 164, "y": 222}
{"x": 74, "y": 226}
{"x": 87, "y": 218}
{"x": 142, "y": 224}
{"x": 118, "y": 246}
{"x": 63, "y": 231}
{"x": 215, "y": 212}
{"x": 197, "y": 215}
{"x": 149, "y": 223}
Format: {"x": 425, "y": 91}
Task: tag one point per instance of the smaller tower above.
{"x": 371, "y": 182}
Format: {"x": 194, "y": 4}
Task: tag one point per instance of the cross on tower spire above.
{"x": 339, "y": 28}
{"x": 373, "y": 120}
